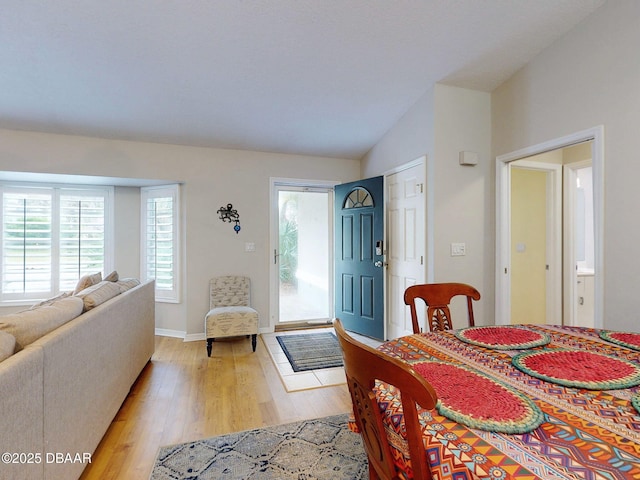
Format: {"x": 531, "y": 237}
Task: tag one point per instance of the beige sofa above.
{"x": 59, "y": 394}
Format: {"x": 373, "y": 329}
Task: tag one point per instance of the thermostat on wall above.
{"x": 468, "y": 158}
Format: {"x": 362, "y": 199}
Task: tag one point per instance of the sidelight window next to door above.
{"x": 303, "y": 257}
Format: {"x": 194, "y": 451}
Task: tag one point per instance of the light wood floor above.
{"x": 182, "y": 395}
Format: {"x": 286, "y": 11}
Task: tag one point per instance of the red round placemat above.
{"x": 579, "y": 368}
{"x": 629, "y": 340}
{"x": 477, "y": 401}
{"x": 503, "y": 337}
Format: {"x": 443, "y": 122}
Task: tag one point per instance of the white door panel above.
{"x": 406, "y": 243}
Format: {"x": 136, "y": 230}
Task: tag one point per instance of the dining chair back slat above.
{"x": 437, "y": 297}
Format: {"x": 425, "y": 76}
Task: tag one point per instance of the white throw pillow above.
{"x": 52, "y": 300}
{"x": 98, "y": 294}
{"x": 127, "y": 284}
{"x": 29, "y": 325}
{"x": 112, "y": 277}
{"x": 86, "y": 281}
{"x": 7, "y": 345}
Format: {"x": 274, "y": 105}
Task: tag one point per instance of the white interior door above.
{"x": 405, "y": 243}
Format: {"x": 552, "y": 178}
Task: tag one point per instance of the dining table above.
{"x": 522, "y": 402}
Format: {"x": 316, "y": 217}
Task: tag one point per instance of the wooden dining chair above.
{"x": 364, "y": 365}
{"x": 437, "y": 297}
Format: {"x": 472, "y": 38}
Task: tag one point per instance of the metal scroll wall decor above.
{"x": 229, "y": 214}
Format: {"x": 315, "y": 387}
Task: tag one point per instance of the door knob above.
{"x": 378, "y": 264}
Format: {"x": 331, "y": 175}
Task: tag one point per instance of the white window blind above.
{"x": 26, "y": 243}
{"x": 82, "y": 237}
{"x": 51, "y": 236}
{"x": 160, "y": 240}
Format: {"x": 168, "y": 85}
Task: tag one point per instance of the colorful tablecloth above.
{"x": 586, "y": 434}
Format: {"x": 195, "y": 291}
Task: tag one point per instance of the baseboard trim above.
{"x": 195, "y": 337}
{"x": 191, "y": 337}
{"x": 164, "y": 332}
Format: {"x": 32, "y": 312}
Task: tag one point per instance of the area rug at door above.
{"x": 319, "y": 449}
{"x": 311, "y": 351}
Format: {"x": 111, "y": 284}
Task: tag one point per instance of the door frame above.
{"x": 503, "y": 215}
{"x": 274, "y": 271}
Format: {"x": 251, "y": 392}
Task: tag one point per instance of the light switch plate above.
{"x": 249, "y": 247}
{"x": 458, "y": 249}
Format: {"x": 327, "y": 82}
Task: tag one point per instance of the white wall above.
{"x": 445, "y": 121}
{"x": 464, "y": 195}
{"x": 588, "y": 78}
{"x": 211, "y": 178}
{"x": 409, "y": 139}
{"x": 126, "y": 228}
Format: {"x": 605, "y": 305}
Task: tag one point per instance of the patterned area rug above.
{"x": 320, "y": 449}
{"x": 311, "y": 351}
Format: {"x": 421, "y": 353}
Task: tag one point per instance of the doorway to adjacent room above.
{"x": 560, "y": 255}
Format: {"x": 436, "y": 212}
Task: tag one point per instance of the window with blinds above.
{"x": 27, "y": 244}
{"x": 51, "y": 236}
{"x": 160, "y": 240}
{"x": 82, "y": 237}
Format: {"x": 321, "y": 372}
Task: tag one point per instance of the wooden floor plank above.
{"x": 182, "y": 396}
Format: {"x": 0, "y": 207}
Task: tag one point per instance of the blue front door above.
{"x": 359, "y": 259}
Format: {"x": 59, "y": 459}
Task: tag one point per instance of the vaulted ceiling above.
{"x": 317, "y": 77}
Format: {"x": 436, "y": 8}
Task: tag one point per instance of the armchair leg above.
{"x": 254, "y": 337}
{"x": 209, "y": 346}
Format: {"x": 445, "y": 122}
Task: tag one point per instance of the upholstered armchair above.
{"x": 230, "y": 313}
